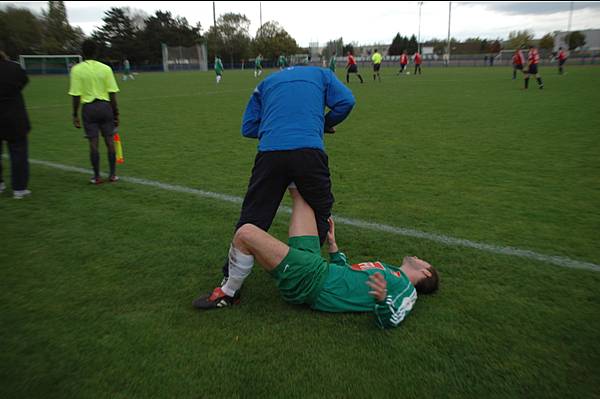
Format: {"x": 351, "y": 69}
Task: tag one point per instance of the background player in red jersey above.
{"x": 403, "y": 62}
{"x": 562, "y": 57}
{"x": 517, "y": 61}
{"x": 418, "y": 59}
{"x": 533, "y": 59}
{"x": 351, "y": 67}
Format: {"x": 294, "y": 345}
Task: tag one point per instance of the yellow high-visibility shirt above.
{"x": 376, "y": 58}
{"x": 92, "y": 80}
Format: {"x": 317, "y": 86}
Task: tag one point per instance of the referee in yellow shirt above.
{"x": 93, "y": 85}
{"x": 376, "y": 58}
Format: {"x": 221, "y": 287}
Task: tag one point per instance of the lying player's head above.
{"x": 426, "y": 280}
{"x": 89, "y": 49}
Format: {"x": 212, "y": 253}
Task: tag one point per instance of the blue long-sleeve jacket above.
{"x": 286, "y": 110}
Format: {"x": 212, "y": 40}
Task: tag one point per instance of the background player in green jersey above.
{"x": 218, "y": 68}
{"x": 332, "y": 61}
{"x": 258, "y": 66}
{"x": 282, "y": 62}
{"x": 304, "y": 277}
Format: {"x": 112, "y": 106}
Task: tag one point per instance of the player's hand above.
{"x": 378, "y": 286}
{"x": 76, "y": 122}
{"x": 331, "y": 232}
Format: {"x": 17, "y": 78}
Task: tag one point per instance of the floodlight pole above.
{"x": 214, "y": 17}
{"x": 260, "y": 5}
{"x": 419, "y": 40}
{"x": 570, "y": 18}
{"x": 449, "y": 15}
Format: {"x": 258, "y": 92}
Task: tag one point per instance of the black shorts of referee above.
{"x": 376, "y": 67}
{"x": 98, "y": 118}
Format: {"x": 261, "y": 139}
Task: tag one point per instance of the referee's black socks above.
{"x": 95, "y": 159}
{"x": 112, "y": 161}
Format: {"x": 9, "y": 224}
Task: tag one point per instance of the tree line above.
{"x": 132, "y": 34}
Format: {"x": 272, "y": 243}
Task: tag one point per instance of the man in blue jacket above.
{"x": 286, "y": 114}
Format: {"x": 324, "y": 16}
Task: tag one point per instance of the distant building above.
{"x": 427, "y": 53}
{"x": 592, "y": 39}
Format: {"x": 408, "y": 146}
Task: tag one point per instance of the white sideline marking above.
{"x": 442, "y": 239}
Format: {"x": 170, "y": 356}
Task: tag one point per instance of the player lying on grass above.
{"x": 304, "y": 277}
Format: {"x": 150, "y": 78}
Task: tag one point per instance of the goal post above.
{"x": 48, "y": 63}
{"x": 178, "y": 58}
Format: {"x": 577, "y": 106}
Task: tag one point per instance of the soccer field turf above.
{"x": 97, "y": 281}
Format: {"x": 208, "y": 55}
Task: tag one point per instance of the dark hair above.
{"x": 430, "y": 284}
{"x": 375, "y": 50}
{"x": 88, "y": 48}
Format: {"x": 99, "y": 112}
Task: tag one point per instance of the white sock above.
{"x": 260, "y": 72}
{"x": 240, "y": 266}
{"x": 218, "y": 78}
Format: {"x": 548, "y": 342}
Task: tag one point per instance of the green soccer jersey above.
{"x": 218, "y": 66}
{"x": 332, "y": 64}
{"x": 345, "y": 290}
{"x": 282, "y": 62}
{"x": 258, "y": 63}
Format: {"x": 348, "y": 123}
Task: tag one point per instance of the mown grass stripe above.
{"x": 402, "y": 231}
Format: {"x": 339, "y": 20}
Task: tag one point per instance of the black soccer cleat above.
{"x": 216, "y": 299}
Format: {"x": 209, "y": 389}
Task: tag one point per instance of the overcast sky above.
{"x": 363, "y": 22}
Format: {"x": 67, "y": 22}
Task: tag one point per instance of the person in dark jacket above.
{"x": 14, "y": 125}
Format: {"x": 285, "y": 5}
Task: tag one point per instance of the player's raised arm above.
{"x": 252, "y": 115}
{"x": 339, "y": 99}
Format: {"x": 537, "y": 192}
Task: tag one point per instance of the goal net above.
{"x": 48, "y": 64}
{"x": 299, "y": 59}
{"x": 185, "y": 58}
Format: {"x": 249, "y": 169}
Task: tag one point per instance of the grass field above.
{"x": 97, "y": 282}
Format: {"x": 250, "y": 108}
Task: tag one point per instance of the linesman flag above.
{"x": 118, "y": 148}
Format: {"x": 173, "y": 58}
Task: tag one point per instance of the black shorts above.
{"x": 273, "y": 171}
{"x": 518, "y": 66}
{"x": 376, "y": 67}
{"x": 533, "y": 69}
{"x": 561, "y": 62}
{"x": 98, "y": 117}
{"x": 353, "y": 69}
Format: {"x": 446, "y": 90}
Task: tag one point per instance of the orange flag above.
{"x": 118, "y": 148}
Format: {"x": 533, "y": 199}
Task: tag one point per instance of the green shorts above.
{"x": 303, "y": 271}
